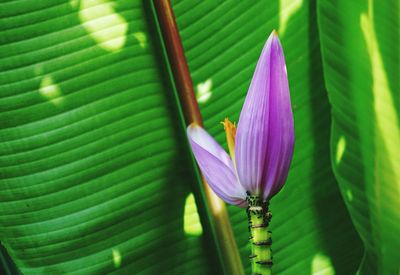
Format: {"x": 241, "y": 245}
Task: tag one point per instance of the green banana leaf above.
{"x": 360, "y": 47}
{"x": 96, "y": 174}
{"x": 94, "y": 177}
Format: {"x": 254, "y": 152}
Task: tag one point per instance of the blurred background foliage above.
{"x": 95, "y": 172}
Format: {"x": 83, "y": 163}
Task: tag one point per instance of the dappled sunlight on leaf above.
{"x": 203, "y": 91}
{"x": 387, "y": 130}
{"x": 340, "y": 148}
{"x": 117, "y": 258}
{"x": 191, "y": 219}
{"x": 141, "y": 38}
{"x": 104, "y": 24}
{"x": 386, "y": 189}
{"x": 74, "y": 3}
{"x": 287, "y": 9}
{"x": 322, "y": 265}
{"x": 51, "y": 91}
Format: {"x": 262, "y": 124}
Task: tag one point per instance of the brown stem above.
{"x": 225, "y": 239}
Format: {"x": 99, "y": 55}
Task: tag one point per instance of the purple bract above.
{"x": 262, "y": 147}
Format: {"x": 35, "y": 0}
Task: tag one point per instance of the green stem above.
{"x": 260, "y": 237}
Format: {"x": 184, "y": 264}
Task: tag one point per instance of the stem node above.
{"x": 260, "y": 238}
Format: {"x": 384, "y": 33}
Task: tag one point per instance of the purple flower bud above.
{"x": 263, "y": 147}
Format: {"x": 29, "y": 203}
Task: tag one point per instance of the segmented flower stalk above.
{"x": 259, "y": 218}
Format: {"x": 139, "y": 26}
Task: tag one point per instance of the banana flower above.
{"x": 260, "y": 150}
